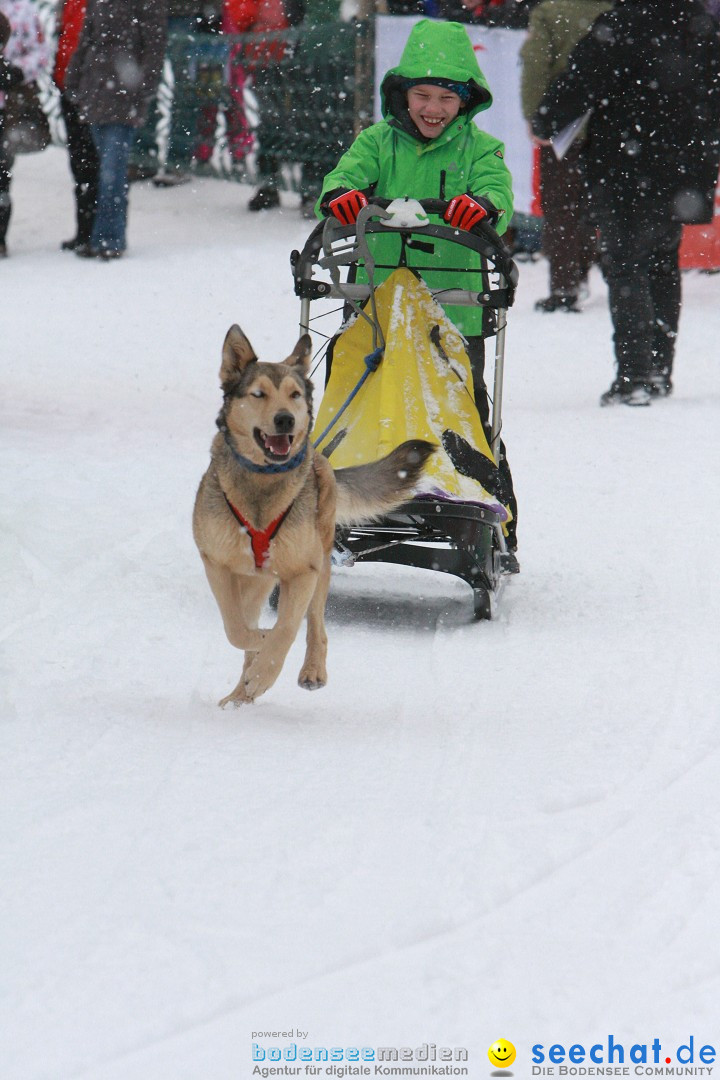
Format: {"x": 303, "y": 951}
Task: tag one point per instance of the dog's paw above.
{"x": 312, "y": 677}
{"x": 237, "y": 698}
{"x": 261, "y": 673}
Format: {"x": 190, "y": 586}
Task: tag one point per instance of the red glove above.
{"x": 347, "y": 206}
{"x": 464, "y": 211}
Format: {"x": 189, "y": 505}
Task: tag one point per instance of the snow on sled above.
{"x": 399, "y": 370}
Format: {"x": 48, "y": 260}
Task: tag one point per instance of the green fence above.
{"x": 237, "y": 106}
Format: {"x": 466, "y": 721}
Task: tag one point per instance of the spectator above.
{"x": 24, "y": 57}
{"x": 568, "y": 235}
{"x": 186, "y": 18}
{"x": 10, "y": 76}
{"x": 224, "y": 83}
{"x": 111, "y": 78}
{"x": 650, "y": 71}
{"x": 273, "y": 98}
{"x": 81, "y": 148}
{"x": 209, "y": 78}
{"x": 319, "y": 68}
{"x": 239, "y": 133}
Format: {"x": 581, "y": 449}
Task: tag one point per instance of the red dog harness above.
{"x": 259, "y": 538}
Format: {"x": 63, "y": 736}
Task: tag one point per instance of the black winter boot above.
{"x": 265, "y": 198}
{"x": 626, "y": 391}
{"x": 556, "y": 302}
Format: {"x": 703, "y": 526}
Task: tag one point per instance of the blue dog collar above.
{"x": 251, "y": 466}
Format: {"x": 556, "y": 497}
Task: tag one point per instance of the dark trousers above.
{"x": 639, "y": 261}
{"x": 84, "y": 166}
{"x": 112, "y": 142}
{"x": 6, "y": 163}
{"x": 273, "y": 104}
{"x": 569, "y": 237}
{"x": 476, "y": 355}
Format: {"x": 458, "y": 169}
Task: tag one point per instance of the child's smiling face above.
{"x": 432, "y": 108}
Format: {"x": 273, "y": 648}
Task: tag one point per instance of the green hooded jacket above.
{"x": 392, "y": 159}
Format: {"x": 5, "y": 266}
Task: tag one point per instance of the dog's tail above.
{"x": 368, "y": 491}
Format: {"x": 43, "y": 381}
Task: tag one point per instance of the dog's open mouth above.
{"x": 274, "y": 447}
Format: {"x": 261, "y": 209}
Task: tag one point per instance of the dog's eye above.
{"x": 258, "y": 393}
{"x": 296, "y": 394}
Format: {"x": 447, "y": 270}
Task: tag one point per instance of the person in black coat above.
{"x": 650, "y": 72}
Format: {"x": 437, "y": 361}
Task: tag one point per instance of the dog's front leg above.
{"x": 240, "y": 600}
{"x": 266, "y": 665}
{"x": 250, "y": 595}
{"x": 238, "y": 696}
{"x": 313, "y": 673}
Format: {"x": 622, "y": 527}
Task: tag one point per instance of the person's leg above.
{"x": 313, "y": 174}
{"x": 205, "y": 126}
{"x": 666, "y": 291}
{"x": 625, "y": 252}
{"x": 181, "y": 133}
{"x": 145, "y": 152}
{"x": 239, "y": 135}
{"x": 587, "y": 233}
{"x": 565, "y": 229}
{"x": 6, "y": 163}
{"x": 113, "y": 142}
{"x": 84, "y": 166}
{"x": 267, "y": 195}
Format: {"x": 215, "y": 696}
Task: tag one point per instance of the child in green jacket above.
{"x": 427, "y": 147}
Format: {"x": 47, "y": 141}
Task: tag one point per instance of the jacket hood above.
{"x": 434, "y": 50}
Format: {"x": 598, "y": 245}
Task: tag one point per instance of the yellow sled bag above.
{"x": 422, "y": 389}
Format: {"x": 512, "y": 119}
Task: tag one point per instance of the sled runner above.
{"x": 399, "y": 369}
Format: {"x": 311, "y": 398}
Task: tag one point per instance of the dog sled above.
{"x": 398, "y": 369}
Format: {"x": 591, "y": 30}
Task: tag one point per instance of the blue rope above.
{"x": 372, "y": 363}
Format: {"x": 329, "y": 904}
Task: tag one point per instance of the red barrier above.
{"x": 536, "y": 205}
{"x": 700, "y": 247}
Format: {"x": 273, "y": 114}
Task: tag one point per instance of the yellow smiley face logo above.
{"x": 501, "y": 1054}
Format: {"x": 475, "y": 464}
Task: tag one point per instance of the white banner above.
{"x": 498, "y": 55}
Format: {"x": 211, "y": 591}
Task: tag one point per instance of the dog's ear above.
{"x": 237, "y": 353}
{"x": 300, "y": 356}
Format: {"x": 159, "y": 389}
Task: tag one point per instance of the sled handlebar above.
{"x": 438, "y": 207}
{"x": 482, "y": 239}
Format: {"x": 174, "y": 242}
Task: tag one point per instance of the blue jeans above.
{"x": 112, "y": 142}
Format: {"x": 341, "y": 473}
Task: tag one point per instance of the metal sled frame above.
{"x": 463, "y": 539}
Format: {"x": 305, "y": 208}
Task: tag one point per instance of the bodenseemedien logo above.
{"x": 340, "y": 1062}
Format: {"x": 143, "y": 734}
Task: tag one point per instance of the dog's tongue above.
{"x": 278, "y": 444}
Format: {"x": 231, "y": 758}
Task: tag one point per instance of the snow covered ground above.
{"x": 477, "y": 830}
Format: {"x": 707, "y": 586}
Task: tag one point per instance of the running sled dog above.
{"x": 266, "y": 510}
